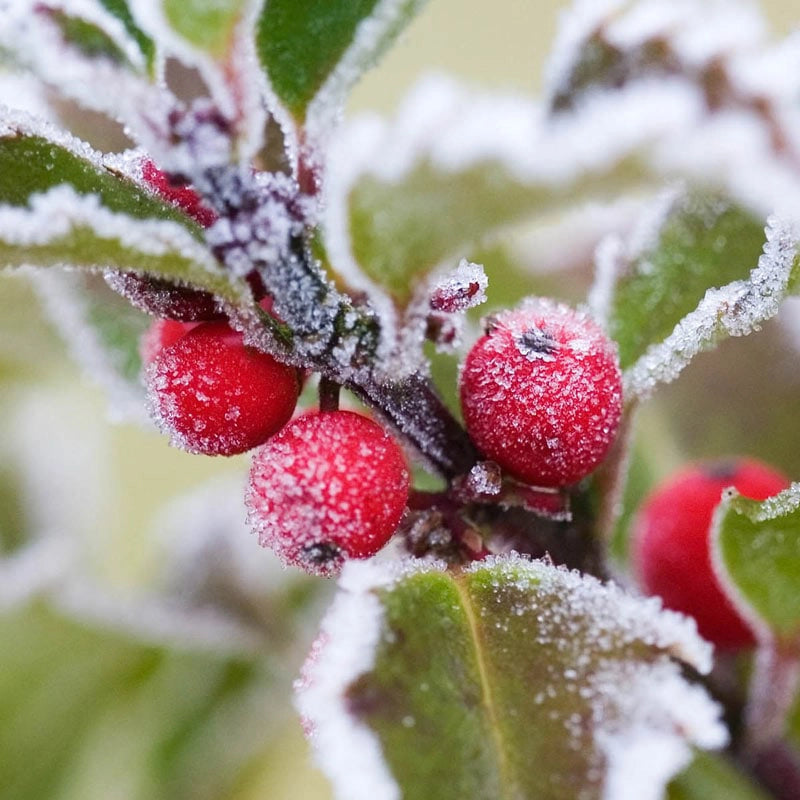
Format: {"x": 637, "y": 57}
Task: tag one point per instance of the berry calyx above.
{"x": 215, "y": 395}
{"x": 331, "y": 485}
{"x": 541, "y": 393}
{"x": 671, "y": 547}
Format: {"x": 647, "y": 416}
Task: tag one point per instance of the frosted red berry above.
{"x": 541, "y": 393}
{"x": 180, "y": 195}
{"x": 671, "y": 547}
{"x": 215, "y": 395}
{"x": 162, "y": 333}
{"x": 330, "y": 486}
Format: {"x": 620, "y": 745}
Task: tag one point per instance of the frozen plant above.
{"x": 476, "y": 646}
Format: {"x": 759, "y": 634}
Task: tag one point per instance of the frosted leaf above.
{"x": 105, "y": 348}
{"x": 755, "y": 557}
{"x": 736, "y": 309}
{"x": 40, "y": 47}
{"x": 605, "y": 45}
{"x": 521, "y": 659}
{"x": 309, "y": 68}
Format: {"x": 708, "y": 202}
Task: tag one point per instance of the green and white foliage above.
{"x": 521, "y": 677}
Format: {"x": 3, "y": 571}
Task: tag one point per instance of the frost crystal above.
{"x": 736, "y": 309}
{"x": 346, "y": 750}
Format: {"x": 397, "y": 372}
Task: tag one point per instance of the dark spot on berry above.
{"x": 321, "y": 554}
{"x": 536, "y": 343}
{"x": 723, "y": 470}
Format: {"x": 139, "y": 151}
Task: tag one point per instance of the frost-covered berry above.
{"x": 180, "y": 195}
{"x": 331, "y": 485}
{"x": 541, "y": 393}
{"x": 162, "y": 333}
{"x": 671, "y": 548}
{"x": 215, "y": 395}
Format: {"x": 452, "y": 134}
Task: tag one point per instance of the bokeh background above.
{"x": 193, "y": 701}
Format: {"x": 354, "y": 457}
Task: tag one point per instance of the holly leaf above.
{"x": 102, "y": 332}
{"x": 735, "y": 309}
{"x": 710, "y": 775}
{"x": 313, "y": 51}
{"x": 121, "y": 10}
{"x": 207, "y": 26}
{"x": 447, "y": 685}
{"x": 756, "y": 553}
{"x": 61, "y": 206}
{"x": 685, "y": 244}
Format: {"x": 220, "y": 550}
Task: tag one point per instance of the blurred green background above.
{"x": 90, "y": 713}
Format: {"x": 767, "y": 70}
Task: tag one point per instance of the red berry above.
{"x": 541, "y": 393}
{"x": 330, "y": 486}
{"x": 180, "y": 195}
{"x": 162, "y": 333}
{"x": 671, "y": 550}
{"x": 217, "y": 396}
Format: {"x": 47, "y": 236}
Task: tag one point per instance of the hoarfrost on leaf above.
{"x": 737, "y": 309}
{"x": 549, "y": 660}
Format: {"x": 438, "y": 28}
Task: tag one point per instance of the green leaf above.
{"x": 120, "y": 9}
{"x": 736, "y": 309}
{"x": 208, "y": 26}
{"x": 433, "y": 213}
{"x": 102, "y": 331}
{"x": 711, "y": 776}
{"x": 110, "y": 224}
{"x": 301, "y": 43}
{"x": 757, "y": 553}
{"x": 89, "y": 38}
{"x": 468, "y": 679}
{"x": 701, "y": 241}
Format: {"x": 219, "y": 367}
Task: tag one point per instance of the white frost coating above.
{"x": 369, "y": 37}
{"x": 149, "y": 15}
{"x": 54, "y": 214}
{"x": 94, "y": 13}
{"x": 26, "y": 94}
{"x": 736, "y": 309}
{"x": 35, "y": 569}
{"x": 576, "y": 24}
{"x": 152, "y": 620}
{"x": 614, "y": 254}
{"x": 67, "y": 309}
{"x": 39, "y": 45}
{"x": 635, "y": 618}
{"x": 698, "y": 30}
{"x": 347, "y": 751}
{"x": 660, "y": 714}
{"x": 783, "y": 503}
{"x": 207, "y": 546}
{"x": 645, "y": 716}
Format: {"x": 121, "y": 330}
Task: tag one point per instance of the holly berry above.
{"x": 331, "y": 485}
{"x": 215, "y": 395}
{"x": 180, "y": 195}
{"x": 671, "y": 548}
{"x": 541, "y": 393}
{"x": 162, "y": 333}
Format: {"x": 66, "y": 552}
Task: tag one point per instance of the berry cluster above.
{"x": 541, "y": 393}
